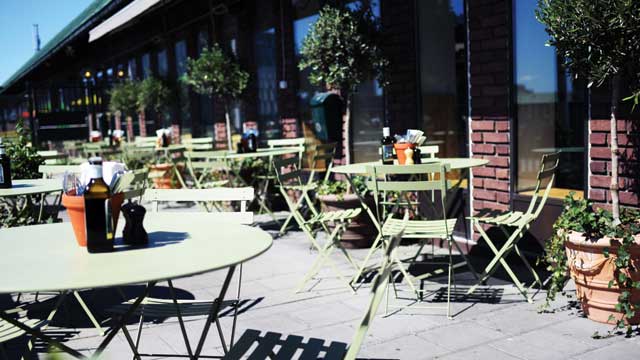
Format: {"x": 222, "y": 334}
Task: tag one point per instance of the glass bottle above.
{"x": 5, "y": 168}
{"x": 97, "y": 211}
{"x": 387, "y": 146}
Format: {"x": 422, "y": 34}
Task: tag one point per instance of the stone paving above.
{"x": 497, "y": 324}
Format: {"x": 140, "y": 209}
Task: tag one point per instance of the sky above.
{"x": 16, "y": 28}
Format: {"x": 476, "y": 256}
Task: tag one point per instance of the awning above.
{"x": 136, "y": 8}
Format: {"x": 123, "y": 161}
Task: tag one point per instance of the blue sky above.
{"x": 16, "y": 27}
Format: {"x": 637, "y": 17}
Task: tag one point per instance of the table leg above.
{"x": 215, "y": 310}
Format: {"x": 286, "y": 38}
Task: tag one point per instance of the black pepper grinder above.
{"x": 134, "y": 232}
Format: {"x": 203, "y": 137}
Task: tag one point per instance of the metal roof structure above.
{"x": 76, "y": 27}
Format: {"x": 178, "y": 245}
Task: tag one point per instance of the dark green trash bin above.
{"x": 326, "y": 116}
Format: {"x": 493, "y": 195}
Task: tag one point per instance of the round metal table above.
{"x": 32, "y": 187}
{"x": 455, "y": 163}
{"x": 47, "y": 257}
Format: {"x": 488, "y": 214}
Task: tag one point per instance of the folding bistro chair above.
{"x": 321, "y": 162}
{"x": 402, "y": 179}
{"x": 289, "y": 178}
{"x": 201, "y": 167}
{"x": 156, "y": 307}
{"x": 380, "y": 284}
{"x": 514, "y": 224}
{"x": 264, "y": 181}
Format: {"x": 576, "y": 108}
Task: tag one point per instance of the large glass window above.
{"x": 163, "y": 64}
{"x": 206, "y": 104}
{"x": 550, "y": 110}
{"x": 146, "y": 66}
{"x": 442, "y": 41}
{"x": 367, "y": 105}
{"x": 183, "y": 90}
{"x": 266, "y": 67}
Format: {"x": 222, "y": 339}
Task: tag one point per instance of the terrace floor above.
{"x": 497, "y": 324}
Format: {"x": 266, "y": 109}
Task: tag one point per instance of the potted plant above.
{"x": 215, "y": 73}
{"x": 124, "y": 100}
{"x": 597, "y": 41}
{"x": 334, "y": 195}
{"x": 342, "y": 50}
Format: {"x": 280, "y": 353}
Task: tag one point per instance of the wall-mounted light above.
{"x": 87, "y": 74}
{"x": 120, "y": 73}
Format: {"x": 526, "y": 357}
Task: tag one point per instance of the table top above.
{"x": 31, "y": 187}
{"x": 47, "y": 257}
{"x": 455, "y": 163}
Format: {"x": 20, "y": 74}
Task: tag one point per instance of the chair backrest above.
{"x": 135, "y": 183}
{"x": 402, "y": 179}
{"x": 429, "y": 151}
{"x": 288, "y": 171}
{"x": 242, "y": 195}
{"x": 49, "y": 171}
{"x": 547, "y": 173}
{"x": 204, "y": 162}
{"x": 322, "y": 154}
{"x": 199, "y": 144}
{"x": 286, "y": 142}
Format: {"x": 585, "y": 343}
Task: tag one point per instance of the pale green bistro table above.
{"x": 180, "y": 245}
{"x": 355, "y": 169}
{"x": 40, "y": 187}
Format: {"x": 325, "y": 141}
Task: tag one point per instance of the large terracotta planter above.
{"x": 75, "y": 210}
{"x": 592, "y": 271}
{"x": 361, "y": 232}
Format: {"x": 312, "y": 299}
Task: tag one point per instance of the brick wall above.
{"x": 490, "y": 123}
{"x": 600, "y": 162}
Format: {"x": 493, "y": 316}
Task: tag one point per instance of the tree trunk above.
{"x": 615, "y": 98}
{"x": 346, "y": 129}
{"x": 226, "y": 116}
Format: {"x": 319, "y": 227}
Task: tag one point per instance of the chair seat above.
{"x": 510, "y": 218}
{"x": 303, "y": 187}
{"x": 164, "y": 308}
{"x": 339, "y": 215}
{"x": 10, "y": 332}
{"x": 419, "y": 229}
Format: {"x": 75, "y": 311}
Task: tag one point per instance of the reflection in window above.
{"x": 550, "y": 111}
{"x": 163, "y": 64}
{"x": 183, "y": 90}
{"x": 367, "y": 105}
{"x": 265, "y": 50}
{"x": 132, "y": 69}
{"x": 146, "y": 66}
{"x": 206, "y": 103}
{"x": 443, "y": 75}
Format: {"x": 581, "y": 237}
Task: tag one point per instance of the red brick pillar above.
{"x": 142, "y": 123}
{"x": 130, "y": 134}
{"x": 118, "y": 119}
{"x": 600, "y": 162}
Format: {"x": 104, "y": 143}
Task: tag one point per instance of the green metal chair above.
{"x": 289, "y": 178}
{"x": 133, "y": 184}
{"x": 321, "y": 162}
{"x": 163, "y": 308}
{"x": 428, "y": 178}
{"x": 514, "y": 225}
{"x": 202, "y": 168}
{"x": 380, "y": 284}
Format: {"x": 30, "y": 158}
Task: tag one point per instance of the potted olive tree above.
{"x": 215, "y": 73}
{"x": 154, "y": 95}
{"x": 342, "y": 50}
{"x": 598, "y": 41}
{"x": 124, "y": 101}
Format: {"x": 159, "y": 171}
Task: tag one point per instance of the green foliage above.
{"x": 343, "y": 49}
{"x": 580, "y": 216}
{"x": 339, "y": 188}
{"x": 216, "y": 74}
{"x": 596, "y": 38}
{"x": 24, "y": 158}
{"x": 124, "y": 97}
{"x": 153, "y": 94}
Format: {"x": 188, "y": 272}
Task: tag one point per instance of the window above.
{"x": 132, "y": 69}
{"x": 146, "y": 66}
{"x": 367, "y": 105}
{"x": 206, "y": 103}
{"x": 442, "y": 41}
{"x": 183, "y": 90}
{"x": 266, "y": 69}
{"x": 163, "y": 64}
{"x": 549, "y": 111}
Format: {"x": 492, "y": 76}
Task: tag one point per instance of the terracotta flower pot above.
{"x": 361, "y": 232}
{"x": 165, "y": 180}
{"x": 400, "y": 148}
{"x": 592, "y": 271}
{"x": 75, "y": 209}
